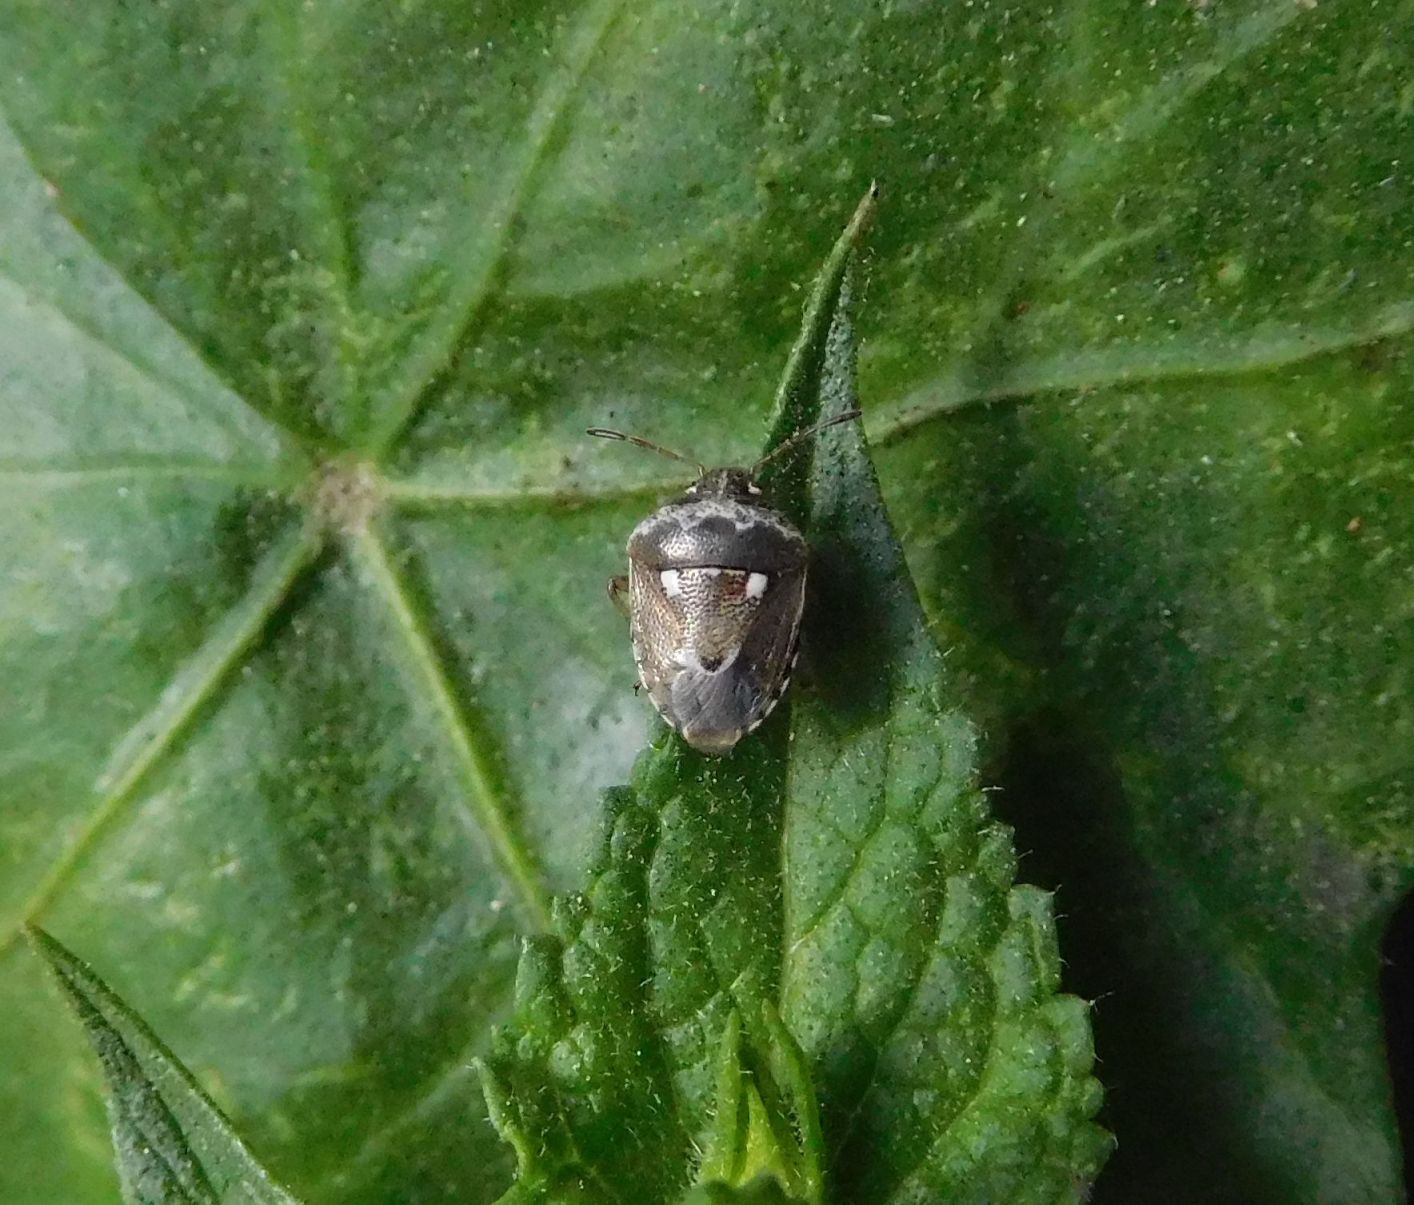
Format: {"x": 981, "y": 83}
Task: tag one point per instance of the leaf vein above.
{"x": 156, "y": 735}
{"x": 941, "y": 1136}
{"x": 486, "y": 808}
{"x": 476, "y": 273}
{"x": 1267, "y": 347}
{"x": 283, "y": 435}
{"x": 79, "y": 473}
{"x": 911, "y": 991}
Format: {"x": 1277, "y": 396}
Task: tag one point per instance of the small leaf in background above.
{"x": 173, "y": 1146}
{"x": 844, "y": 873}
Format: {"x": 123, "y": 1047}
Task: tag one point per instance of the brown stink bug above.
{"x": 716, "y": 587}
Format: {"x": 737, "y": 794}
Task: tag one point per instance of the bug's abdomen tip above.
{"x": 714, "y": 744}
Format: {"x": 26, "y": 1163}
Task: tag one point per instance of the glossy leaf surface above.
{"x": 308, "y": 677}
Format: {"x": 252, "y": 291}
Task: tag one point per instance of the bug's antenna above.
{"x": 847, "y": 417}
{"x": 605, "y": 433}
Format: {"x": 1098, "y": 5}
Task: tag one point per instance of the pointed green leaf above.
{"x": 173, "y": 1145}
{"x": 841, "y": 868}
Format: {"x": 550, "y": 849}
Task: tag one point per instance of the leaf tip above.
{"x": 864, "y": 213}
{"x": 38, "y": 938}
{"x": 63, "y": 962}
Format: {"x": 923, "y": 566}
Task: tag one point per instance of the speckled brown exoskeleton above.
{"x": 715, "y": 592}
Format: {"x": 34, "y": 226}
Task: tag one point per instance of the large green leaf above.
{"x": 304, "y": 307}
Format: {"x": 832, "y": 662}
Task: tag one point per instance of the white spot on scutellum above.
{"x": 711, "y": 571}
{"x": 672, "y": 586}
{"x": 756, "y": 585}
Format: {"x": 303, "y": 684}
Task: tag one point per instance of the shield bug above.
{"x": 716, "y": 587}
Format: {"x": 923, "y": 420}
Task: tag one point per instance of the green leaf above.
{"x": 295, "y": 727}
{"x": 766, "y": 1121}
{"x": 765, "y": 1191}
{"x": 844, "y": 873}
{"x": 172, "y": 1143}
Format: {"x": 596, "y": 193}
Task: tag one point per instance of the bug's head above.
{"x": 726, "y": 483}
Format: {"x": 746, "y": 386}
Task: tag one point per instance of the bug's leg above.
{"x": 618, "y": 594}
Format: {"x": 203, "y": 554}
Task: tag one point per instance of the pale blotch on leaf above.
{"x": 346, "y": 495}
